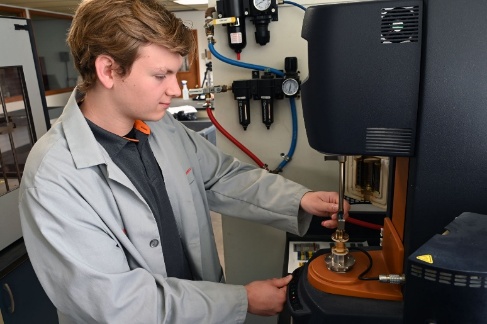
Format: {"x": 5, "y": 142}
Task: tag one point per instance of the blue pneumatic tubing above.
{"x": 242, "y": 64}
{"x": 291, "y": 99}
{"x": 294, "y": 4}
{"x": 294, "y": 136}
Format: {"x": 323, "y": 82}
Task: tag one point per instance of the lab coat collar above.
{"x": 81, "y": 141}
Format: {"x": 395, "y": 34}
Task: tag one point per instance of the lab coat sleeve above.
{"x": 84, "y": 270}
{"x": 239, "y": 189}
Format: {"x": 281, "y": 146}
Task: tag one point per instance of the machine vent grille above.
{"x": 399, "y": 25}
{"x": 389, "y": 141}
{"x": 448, "y": 278}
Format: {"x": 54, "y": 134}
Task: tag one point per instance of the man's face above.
{"x": 146, "y": 92}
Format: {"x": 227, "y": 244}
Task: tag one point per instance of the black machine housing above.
{"x": 421, "y": 94}
{"x": 364, "y": 73}
{"x": 450, "y": 271}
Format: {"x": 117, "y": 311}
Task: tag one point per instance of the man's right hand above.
{"x": 267, "y": 297}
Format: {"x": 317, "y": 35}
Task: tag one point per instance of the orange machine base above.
{"x": 348, "y": 284}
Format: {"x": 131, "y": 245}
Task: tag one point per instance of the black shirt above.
{"x": 133, "y": 155}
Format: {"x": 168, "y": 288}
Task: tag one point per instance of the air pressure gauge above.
{"x": 290, "y": 87}
{"x": 262, "y": 5}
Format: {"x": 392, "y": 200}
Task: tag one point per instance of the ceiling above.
{"x": 69, "y": 6}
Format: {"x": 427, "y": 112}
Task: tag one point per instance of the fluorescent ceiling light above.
{"x": 191, "y": 2}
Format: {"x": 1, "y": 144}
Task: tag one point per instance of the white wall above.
{"x": 58, "y": 100}
{"x": 307, "y": 166}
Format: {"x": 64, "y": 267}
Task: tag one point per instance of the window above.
{"x": 56, "y": 63}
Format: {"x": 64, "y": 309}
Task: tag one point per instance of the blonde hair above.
{"x": 118, "y": 28}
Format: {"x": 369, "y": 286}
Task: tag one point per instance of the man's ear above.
{"x": 105, "y": 70}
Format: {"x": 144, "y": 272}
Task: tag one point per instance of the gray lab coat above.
{"x": 92, "y": 238}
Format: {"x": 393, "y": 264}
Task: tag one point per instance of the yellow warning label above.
{"x": 428, "y": 258}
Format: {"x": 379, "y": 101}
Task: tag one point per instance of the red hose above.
{"x": 363, "y": 224}
{"x": 234, "y": 140}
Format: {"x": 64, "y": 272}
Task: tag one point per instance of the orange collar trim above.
{"x": 142, "y": 127}
{"x": 134, "y": 140}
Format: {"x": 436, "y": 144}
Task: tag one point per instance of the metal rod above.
{"x": 341, "y": 186}
{"x": 341, "y": 193}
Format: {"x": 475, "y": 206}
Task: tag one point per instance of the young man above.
{"x": 115, "y": 211}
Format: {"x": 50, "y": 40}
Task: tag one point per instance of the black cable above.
{"x": 361, "y": 276}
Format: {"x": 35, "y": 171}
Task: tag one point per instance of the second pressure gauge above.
{"x": 262, "y": 5}
{"x": 290, "y": 87}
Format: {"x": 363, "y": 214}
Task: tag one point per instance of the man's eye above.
{"x": 160, "y": 77}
